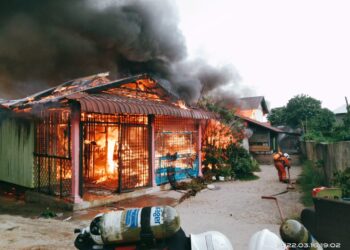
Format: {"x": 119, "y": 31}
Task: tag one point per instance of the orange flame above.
{"x": 181, "y": 104}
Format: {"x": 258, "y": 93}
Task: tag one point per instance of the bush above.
{"x": 48, "y": 213}
{"x": 255, "y": 166}
{"x": 234, "y": 161}
{"x": 341, "y": 179}
{"x": 213, "y": 156}
{"x": 242, "y": 163}
{"x": 225, "y": 170}
{"x": 312, "y": 176}
{"x": 341, "y": 132}
{"x": 314, "y": 136}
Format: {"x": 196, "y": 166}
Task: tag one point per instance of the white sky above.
{"x": 280, "y": 48}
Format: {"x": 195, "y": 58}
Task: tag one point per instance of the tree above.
{"x": 277, "y": 116}
{"x": 300, "y": 110}
{"x": 347, "y": 116}
{"x": 323, "y": 122}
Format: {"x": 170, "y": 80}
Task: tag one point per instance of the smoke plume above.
{"x": 46, "y": 42}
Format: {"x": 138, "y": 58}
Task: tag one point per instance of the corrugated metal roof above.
{"x": 261, "y": 124}
{"x": 247, "y": 103}
{"x": 85, "y": 84}
{"x": 340, "y": 110}
{"x": 94, "y": 99}
{"x": 112, "y": 104}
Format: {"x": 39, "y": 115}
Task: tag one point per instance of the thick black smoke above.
{"x": 45, "y": 42}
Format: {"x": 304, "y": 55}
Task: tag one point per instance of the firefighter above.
{"x": 281, "y": 161}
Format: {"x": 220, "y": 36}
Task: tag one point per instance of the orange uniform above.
{"x": 281, "y": 162}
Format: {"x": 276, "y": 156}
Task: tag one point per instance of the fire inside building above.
{"x": 93, "y": 134}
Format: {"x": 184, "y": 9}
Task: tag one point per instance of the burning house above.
{"x": 93, "y": 134}
{"x": 253, "y": 107}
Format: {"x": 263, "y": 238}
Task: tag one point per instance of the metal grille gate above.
{"x": 52, "y": 155}
{"x": 116, "y": 152}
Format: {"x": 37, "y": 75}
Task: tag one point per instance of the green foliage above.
{"x": 277, "y": 116}
{"x": 241, "y": 161}
{"x": 214, "y": 156}
{"x": 341, "y": 179}
{"x": 305, "y": 112}
{"x": 336, "y": 133}
{"x": 300, "y": 109}
{"x": 342, "y": 132}
{"x": 255, "y": 166}
{"x": 323, "y": 122}
{"x": 347, "y": 116}
{"x": 346, "y": 119}
{"x": 312, "y": 176}
{"x": 225, "y": 114}
{"x": 314, "y": 135}
{"x": 48, "y": 214}
{"x": 234, "y": 161}
{"x": 318, "y": 124}
{"x": 225, "y": 171}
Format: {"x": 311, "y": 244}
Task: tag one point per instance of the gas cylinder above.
{"x": 125, "y": 226}
{"x": 297, "y": 236}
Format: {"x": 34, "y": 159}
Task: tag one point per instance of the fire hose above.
{"x": 278, "y": 206}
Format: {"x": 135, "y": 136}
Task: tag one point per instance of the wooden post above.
{"x": 199, "y": 143}
{"x": 75, "y": 138}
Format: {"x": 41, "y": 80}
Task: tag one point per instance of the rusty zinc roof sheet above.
{"x": 261, "y": 124}
{"x": 112, "y": 104}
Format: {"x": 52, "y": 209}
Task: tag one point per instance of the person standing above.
{"x": 282, "y": 161}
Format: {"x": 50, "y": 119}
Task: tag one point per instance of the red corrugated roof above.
{"x": 94, "y": 99}
{"x": 262, "y": 124}
{"x": 112, "y": 104}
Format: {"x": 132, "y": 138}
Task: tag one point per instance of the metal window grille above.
{"x": 116, "y": 152}
{"x": 176, "y": 148}
{"x": 52, "y": 155}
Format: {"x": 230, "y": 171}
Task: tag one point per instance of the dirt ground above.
{"x": 238, "y": 211}
{"x": 235, "y": 208}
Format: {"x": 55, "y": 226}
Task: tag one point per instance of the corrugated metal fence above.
{"x": 16, "y": 151}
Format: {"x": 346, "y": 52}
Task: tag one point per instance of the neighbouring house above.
{"x": 340, "y": 114}
{"x": 263, "y": 138}
{"x": 260, "y": 136}
{"x": 91, "y": 135}
{"x": 253, "y": 107}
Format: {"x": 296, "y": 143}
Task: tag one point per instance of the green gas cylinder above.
{"x": 296, "y": 236}
{"x": 125, "y": 226}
